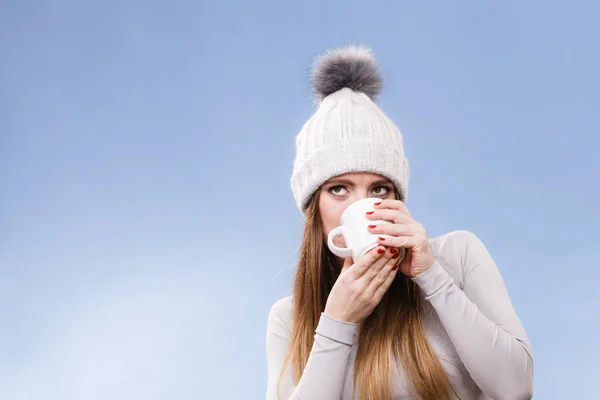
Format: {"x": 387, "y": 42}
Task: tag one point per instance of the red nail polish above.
{"x": 378, "y": 203}
{"x": 393, "y": 250}
{"x": 380, "y": 251}
{"x": 382, "y": 239}
{"x": 369, "y": 212}
{"x": 396, "y": 255}
{"x": 395, "y": 267}
{"x": 372, "y": 226}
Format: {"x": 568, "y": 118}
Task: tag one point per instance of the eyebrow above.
{"x": 382, "y": 182}
{"x": 347, "y": 182}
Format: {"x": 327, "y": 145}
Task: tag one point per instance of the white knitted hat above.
{"x": 348, "y": 132}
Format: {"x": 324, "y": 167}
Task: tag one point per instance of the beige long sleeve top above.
{"x": 470, "y": 323}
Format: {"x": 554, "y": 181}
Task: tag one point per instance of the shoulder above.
{"x": 280, "y": 315}
{"x": 282, "y": 306}
{"x": 455, "y": 243}
{"x": 455, "y": 249}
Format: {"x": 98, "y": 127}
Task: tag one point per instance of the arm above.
{"x": 323, "y": 376}
{"x": 482, "y": 324}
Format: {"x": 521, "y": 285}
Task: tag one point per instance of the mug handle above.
{"x": 338, "y": 251}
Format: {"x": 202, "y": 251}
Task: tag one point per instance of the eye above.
{"x": 338, "y": 190}
{"x": 382, "y": 190}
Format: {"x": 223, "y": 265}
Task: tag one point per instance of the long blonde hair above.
{"x": 394, "y": 328}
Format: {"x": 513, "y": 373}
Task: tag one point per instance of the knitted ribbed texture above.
{"x": 347, "y": 133}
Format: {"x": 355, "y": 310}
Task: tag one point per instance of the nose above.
{"x": 362, "y": 193}
{"x": 356, "y": 196}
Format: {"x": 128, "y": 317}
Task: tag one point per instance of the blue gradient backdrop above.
{"x": 146, "y": 219}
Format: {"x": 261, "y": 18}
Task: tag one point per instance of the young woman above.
{"x": 438, "y": 325}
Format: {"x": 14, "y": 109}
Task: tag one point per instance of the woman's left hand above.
{"x": 404, "y": 232}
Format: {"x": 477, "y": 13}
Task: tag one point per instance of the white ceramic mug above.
{"x": 354, "y": 228}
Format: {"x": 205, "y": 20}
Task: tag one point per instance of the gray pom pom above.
{"x": 349, "y": 67}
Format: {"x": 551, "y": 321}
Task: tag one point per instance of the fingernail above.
{"x": 372, "y": 226}
{"x": 382, "y": 239}
{"x": 393, "y": 250}
{"x": 380, "y": 251}
{"x": 395, "y": 267}
{"x": 378, "y": 203}
{"x": 396, "y": 255}
{"x": 369, "y": 212}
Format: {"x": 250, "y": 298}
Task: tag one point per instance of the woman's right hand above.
{"x": 361, "y": 285}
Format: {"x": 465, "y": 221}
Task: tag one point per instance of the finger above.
{"x": 394, "y": 216}
{"x": 383, "y": 288}
{"x": 396, "y": 229}
{"x": 394, "y": 205}
{"x": 407, "y": 242}
{"x": 382, "y": 276}
{"x": 362, "y": 264}
{"x": 378, "y": 265}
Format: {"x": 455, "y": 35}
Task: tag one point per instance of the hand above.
{"x": 403, "y": 232}
{"x": 361, "y": 285}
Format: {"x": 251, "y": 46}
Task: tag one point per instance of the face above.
{"x": 341, "y": 191}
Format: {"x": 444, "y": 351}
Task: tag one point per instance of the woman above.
{"x": 440, "y": 325}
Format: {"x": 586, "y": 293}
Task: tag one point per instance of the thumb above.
{"x": 406, "y": 263}
{"x": 347, "y": 264}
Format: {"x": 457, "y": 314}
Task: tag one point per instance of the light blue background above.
{"x": 146, "y": 218}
